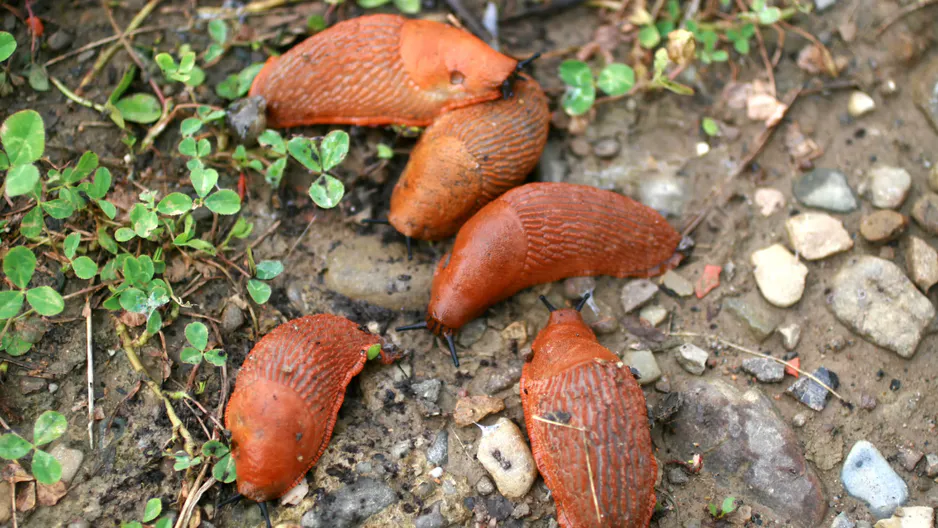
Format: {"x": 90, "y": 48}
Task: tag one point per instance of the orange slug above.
{"x": 287, "y": 397}
{"x": 588, "y": 426}
{"x": 544, "y": 232}
{"x": 379, "y": 70}
{"x": 466, "y": 159}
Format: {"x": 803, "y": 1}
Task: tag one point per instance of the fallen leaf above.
{"x": 51, "y": 495}
{"x": 26, "y": 498}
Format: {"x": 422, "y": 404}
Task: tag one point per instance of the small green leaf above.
{"x": 19, "y": 264}
{"x": 21, "y": 179}
{"x": 49, "y": 426}
{"x": 218, "y": 31}
{"x": 333, "y": 149}
{"x": 133, "y": 300}
{"x": 408, "y": 7}
{"x": 190, "y": 355}
{"x": 186, "y": 62}
{"x": 143, "y": 220}
{"x": 4, "y": 161}
{"x": 7, "y": 45}
{"x": 216, "y": 357}
{"x": 268, "y": 269}
{"x": 107, "y": 208}
{"x": 38, "y": 78}
{"x": 18, "y": 346}
{"x": 59, "y": 208}
{"x": 326, "y": 191}
{"x": 374, "y": 351}
{"x": 259, "y": 291}
{"x": 616, "y": 79}
{"x": 769, "y": 15}
{"x": 710, "y": 127}
{"x": 214, "y": 448}
{"x": 187, "y": 147}
{"x": 649, "y": 37}
{"x": 87, "y": 163}
{"x": 371, "y": 4}
{"x": 131, "y": 524}
{"x": 224, "y": 202}
{"x": 106, "y": 241}
{"x": 384, "y": 151}
{"x": 242, "y": 228}
{"x": 576, "y": 73}
{"x": 71, "y": 245}
{"x": 175, "y": 204}
{"x": 204, "y": 148}
{"x": 24, "y": 137}
{"x": 203, "y": 180}
{"x": 140, "y": 108}
{"x": 720, "y": 56}
{"x": 201, "y": 245}
{"x": 166, "y": 62}
{"x": 224, "y": 470}
{"x": 275, "y": 172}
{"x": 13, "y": 446}
{"x": 305, "y": 151}
{"x": 165, "y": 522}
{"x": 729, "y": 505}
{"x": 213, "y": 52}
{"x": 101, "y": 183}
{"x": 578, "y": 100}
{"x": 273, "y": 139}
{"x": 10, "y": 303}
{"x": 197, "y": 335}
{"x": 190, "y": 126}
{"x": 154, "y": 323}
{"x": 124, "y": 234}
{"x": 31, "y": 225}
{"x": 152, "y": 510}
{"x": 45, "y": 300}
{"x": 315, "y": 23}
{"x": 184, "y": 461}
{"x": 85, "y": 268}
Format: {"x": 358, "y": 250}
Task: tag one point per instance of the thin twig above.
{"x": 895, "y": 17}
{"x": 273, "y": 227}
{"x": 133, "y": 55}
{"x": 87, "y": 314}
{"x": 589, "y": 467}
{"x": 105, "y": 57}
{"x": 299, "y": 238}
{"x": 101, "y": 42}
{"x": 193, "y": 499}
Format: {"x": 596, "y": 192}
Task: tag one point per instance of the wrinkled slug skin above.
{"x": 379, "y": 70}
{"x": 287, "y": 397}
{"x": 467, "y": 158}
{"x": 574, "y": 380}
{"x": 545, "y": 232}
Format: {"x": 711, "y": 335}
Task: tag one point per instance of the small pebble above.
{"x": 427, "y": 389}
{"x": 665, "y": 194}
{"x": 817, "y": 235}
{"x": 485, "y": 486}
{"x": 472, "y": 332}
{"x": 909, "y": 458}
{"x": 888, "y": 186}
{"x": 644, "y": 362}
{"x": 471, "y": 409}
{"x": 69, "y": 459}
{"x": 247, "y": 119}
{"x": 779, "y": 275}
{"x": 504, "y": 453}
{"x": 769, "y": 201}
{"x": 860, "y": 104}
{"x": 438, "y": 452}
{"x": 925, "y": 212}
{"x": 933, "y": 178}
{"x": 709, "y": 280}
{"x": 654, "y": 314}
{"x": 931, "y": 465}
{"x": 60, "y": 40}
{"x": 703, "y": 148}
{"x": 761, "y": 321}
{"x": 764, "y": 369}
{"x": 825, "y": 189}
{"x": 575, "y": 288}
{"x": 921, "y": 261}
{"x": 636, "y": 293}
{"x": 883, "y": 226}
{"x": 810, "y": 393}
{"x": 867, "y": 402}
{"x": 677, "y": 476}
{"x": 867, "y": 476}
{"x": 910, "y": 517}
{"x": 606, "y": 148}
{"x": 663, "y": 385}
{"x": 799, "y": 419}
{"x": 673, "y": 281}
{"x": 842, "y": 521}
{"x": 580, "y": 147}
{"x": 692, "y": 358}
{"x": 436, "y": 472}
{"x": 516, "y": 332}
{"x": 791, "y": 335}
{"x": 432, "y": 519}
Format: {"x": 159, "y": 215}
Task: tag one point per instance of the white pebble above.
{"x": 769, "y": 200}
{"x": 860, "y": 104}
{"x": 817, "y": 235}
{"x": 505, "y": 454}
{"x": 779, "y": 275}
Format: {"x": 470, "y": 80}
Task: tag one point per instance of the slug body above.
{"x": 544, "y": 232}
{"x": 379, "y": 70}
{"x": 466, "y": 159}
{"x": 599, "y": 444}
{"x": 287, "y": 398}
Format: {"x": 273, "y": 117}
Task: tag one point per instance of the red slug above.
{"x": 380, "y": 70}
{"x": 287, "y": 397}
{"x": 466, "y": 159}
{"x": 588, "y": 426}
{"x": 544, "y": 232}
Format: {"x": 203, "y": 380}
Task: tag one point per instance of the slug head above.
{"x": 451, "y": 63}
{"x": 565, "y": 342}
{"x": 275, "y": 439}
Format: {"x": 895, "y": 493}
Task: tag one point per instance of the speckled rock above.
{"x": 438, "y": 452}
{"x": 363, "y": 269}
{"x": 810, "y": 393}
{"x": 925, "y": 212}
{"x": 636, "y": 293}
{"x": 867, "y": 476}
{"x": 883, "y": 226}
{"x": 817, "y": 235}
{"x": 765, "y": 370}
{"x": 888, "y": 186}
{"x": 922, "y": 262}
{"x": 504, "y": 453}
{"x": 692, "y": 358}
{"x": 909, "y": 517}
{"x": 349, "y": 506}
{"x": 931, "y": 465}
{"x": 779, "y": 275}
{"x": 825, "y": 189}
{"x": 876, "y": 300}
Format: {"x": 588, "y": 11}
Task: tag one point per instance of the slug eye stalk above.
{"x": 507, "y": 92}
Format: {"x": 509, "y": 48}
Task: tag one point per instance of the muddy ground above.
{"x": 386, "y": 428}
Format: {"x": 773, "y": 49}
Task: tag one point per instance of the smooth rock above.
{"x": 644, "y": 362}
{"x": 472, "y": 332}
{"x": 779, "y": 275}
{"x": 427, "y": 389}
{"x": 860, "y": 104}
{"x": 247, "y": 118}
{"x": 677, "y": 476}
{"x": 817, "y": 235}
{"x": 654, "y": 314}
{"x": 505, "y": 454}
{"x": 664, "y": 194}
{"x": 748, "y": 446}
{"x": 231, "y": 318}
{"x": 842, "y": 521}
{"x": 926, "y": 92}
{"x": 925, "y": 212}
{"x": 692, "y": 358}
{"x": 606, "y": 148}
{"x": 363, "y": 269}
{"x": 70, "y": 460}
{"x": 888, "y": 186}
{"x": 883, "y": 226}
{"x": 821, "y": 5}
{"x": 867, "y": 476}
{"x": 769, "y": 200}
{"x": 810, "y": 393}
{"x": 350, "y": 506}
{"x": 432, "y": 519}
{"x": 60, "y": 40}
{"x": 438, "y": 452}
{"x": 922, "y": 262}
{"x": 825, "y": 189}
{"x": 799, "y": 419}
{"x": 875, "y": 299}
{"x": 791, "y": 335}
{"x": 765, "y": 370}
{"x": 673, "y": 281}
{"x": 760, "y": 320}
{"x": 909, "y": 517}
{"x": 485, "y": 486}
{"x": 636, "y": 293}
{"x": 931, "y": 465}
{"x": 599, "y": 316}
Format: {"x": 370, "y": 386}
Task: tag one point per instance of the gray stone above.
{"x": 472, "y": 332}
{"x": 677, "y": 476}
{"x": 748, "y": 446}
{"x": 575, "y": 288}
{"x": 69, "y": 459}
{"x": 60, "y": 40}
{"x": 799, "y": 419}
{"x": 926, "y": 92}
{"x": 925, "y": 212}
{"x": 433, "y": 519}
{"x": 677, "y": 284}
{"x": 810, "y": 393}
{"x": 644, "y": 362}
{"x": 504, "y": 453}
{"x": 692, "y": 358}
{"x": 888, "y": 186}
{"x": 231, "y": 318}
{"x": 922, "y": 262}
{"x": 864, "y": 524}
{"x": 485, "y": 486}
{"x": 791, "y": 335}
{"x": 364, "y": 269}
{"x": 825, "y": 189}
{"x": 636, "y": 293}
{"x": 350, "y": 506}
{"x": 428, "y": 389}
{"x": 909, "y": 458}
{"x": 664, "y": 194}
{"x": 842, "y": 521}
{"x": 247, "y": 118}
{"x": 599, "y": 316}
{"x": 867, "y": 476}
{"x": 931, "y": 465}
{"x": 760, "y": 320}
{"x": 606, "y": 148}
{"x": 438, "y": 453}
{"x": 876, "y": 300}
{"x": 765, "y": 370}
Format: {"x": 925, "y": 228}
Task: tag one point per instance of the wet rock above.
{"x": 472, "y": 332}
{"x": 599, "y": 316}
{"x": 692, "y": 358}
{"x": 491, "y": 380}
{"x": 654, "y": 314}
{"x": 867, "y": 476}
{"x": 925, "y": 212}
{"x": 636, "y": 293}
{"x": 779, "y": 275}
{"x": 433, "y": 519}
{"x": 516, "y": 332}
{"x": 825, "y": 189}
{"x": 69, "y": 459}
{"x": 922, "y": 262}
{"x": 428, "y": 389}
{"x": 575, "y": 288}
{"x": 909, "y": 458}
{"x": 231, "y": 318}
{"x": 769, "y": 201}
{"x": 910, "y": 517}
{"x": 760, "y": 320}
{"x": 363, "y": 269}
{"x": 505, "y": 454}
{"x": 438, "y": 453}
{"x": 247, "y": 118}
{"x": 664, "y": 194}
{"x": 931, "y": 465}
{"x": 471, "y": 409}
{"x": 876, "y": 300}
{"x": 489, "y": 345}
{"x": 606, "y": 148}
{"x": 644, "y": 362}
{"x": 60, "y": 40}
{"x": 748, "y": 445}
{"x": 791, "y": 335}
{"x": 842, "y": 521}
{"x": 765, "y": 370}
{"x": 521, "y": 511}
{"x": 883, "y": 226}
{"x": 888, "y": 186}
{"x": 351, "y": 505}
{"x": 821, "y": 5}
{"x": 860, "y": 104}
{"x": 817, "y": 235}
{"x": 485, "y": 486}
{"x": 673, "y": 281}
{"x": 810, "y": 393}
